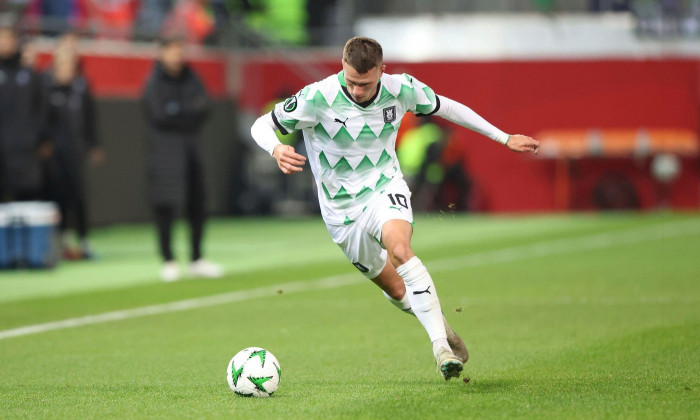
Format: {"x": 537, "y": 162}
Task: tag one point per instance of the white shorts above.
{"x": 361, "y": 241}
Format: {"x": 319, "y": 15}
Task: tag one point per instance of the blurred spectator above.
{"x": 614, "y": 191}
{"x": 318, "y": 20}
{"x": 279, "y": 20}
{"x": 112, "y": 18}
{"x": 414, "y": 145}
{"x": 192, "y": 19}
{"x": 441, "y": 185}
{"x": 609, "y": 5}
{"x": 21, "y": 116}
{"x": 70, "y": 125}
{"x": 68, "y": 44}
{"x": 177, "y": 106}
{"x": 150, "y": 18}
{"x": 29, "y": 55}
{"x": 56, "y": 16}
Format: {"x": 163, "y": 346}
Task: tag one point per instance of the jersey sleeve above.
{"x": 296, "y": 113}
{"x": 423, "y": 101}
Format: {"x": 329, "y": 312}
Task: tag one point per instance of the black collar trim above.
{"x": 366, "y": 103}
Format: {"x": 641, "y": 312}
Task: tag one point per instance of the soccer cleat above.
{"x": 170, "y": 271}
{"x": 456, "y": 344}
{"x": 448, "y": 364}
{"x": 204, "y": 268}
{"x": 70, "y": 254}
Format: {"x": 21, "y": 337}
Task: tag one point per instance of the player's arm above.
{"x": 462, "y": 115}
{"x": 263, "y": 132}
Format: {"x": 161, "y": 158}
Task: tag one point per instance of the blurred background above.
{"x": 610, "y": 87}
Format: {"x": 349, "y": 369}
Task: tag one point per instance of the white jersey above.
{"x": 352, "y": 149}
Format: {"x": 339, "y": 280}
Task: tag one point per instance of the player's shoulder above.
{"x": 327, "y": 87}
{"x": 395, "y": 83}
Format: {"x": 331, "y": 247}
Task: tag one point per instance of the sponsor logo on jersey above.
{"x": 290, "y": 104}
{"x": 360, "y": 267}
{"x": 338, "y": 120}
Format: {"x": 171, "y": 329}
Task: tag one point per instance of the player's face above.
{"x": 362, "y": 86}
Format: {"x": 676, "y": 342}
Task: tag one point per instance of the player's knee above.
{"x": 400, "y": 254}
{"x": 397, "y": 291}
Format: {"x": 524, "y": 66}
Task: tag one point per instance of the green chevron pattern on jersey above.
{"x": 351, "y": 149}
{"x": 342, "y": 194}
{"x": 343, "y": 166}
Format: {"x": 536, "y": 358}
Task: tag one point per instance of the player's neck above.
{"x": 366, "y": 103}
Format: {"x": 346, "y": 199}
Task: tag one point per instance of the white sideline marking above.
{"x": 539, "y": 249}
{"x": 183, "y": 305}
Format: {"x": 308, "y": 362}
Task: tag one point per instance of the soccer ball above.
{"x": 253, "y": 372}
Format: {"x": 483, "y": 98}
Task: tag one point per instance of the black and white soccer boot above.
{"x": 456, "y": 344}
{"x": 448, "y": 364}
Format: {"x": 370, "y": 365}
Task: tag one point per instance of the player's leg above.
{"x": 395, "y": 292}
{"x": 393, "y": 287}
{"x": 360, "y": 243}
{"x": 396, "y": 238}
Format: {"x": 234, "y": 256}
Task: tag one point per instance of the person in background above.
{"x": 442, "y": 180}
{"x": 56, "y": 16}
{"x": 414, "y": 146}
{"x": 282, "y": 21}
{"x": 194, "y": 19}
{"x": 21, "y": 116}
{"x": 176, "y": 106}
{"x": 150, "y": 18}
{"x": 70, "y": 126}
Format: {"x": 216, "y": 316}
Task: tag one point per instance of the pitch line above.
{"x": 503, "y": 255}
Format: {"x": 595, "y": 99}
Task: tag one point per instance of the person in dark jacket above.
{"x": 177, "y": 106}
{"x": 70, "y": 120}
{"x": 21, "y": 117}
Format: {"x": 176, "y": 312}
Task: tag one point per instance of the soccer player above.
{"x": 349, "y": 121}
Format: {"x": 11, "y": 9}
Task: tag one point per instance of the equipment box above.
{"x": 29, "y": 235}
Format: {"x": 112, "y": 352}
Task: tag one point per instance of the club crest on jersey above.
{"x": 389, "y": 114}
{"x": 291, "y": 104}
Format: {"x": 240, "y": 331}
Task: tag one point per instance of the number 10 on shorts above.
{"x": 398, "y": 199}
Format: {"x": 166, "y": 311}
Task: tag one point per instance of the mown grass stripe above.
{"x": 504, "y": 255}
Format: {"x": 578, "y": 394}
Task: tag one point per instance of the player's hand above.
{"x": 520, "y": 143}
{"x": 288, "y": 160}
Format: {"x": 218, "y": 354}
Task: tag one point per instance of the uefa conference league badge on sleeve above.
{"x": 290, "y": 104}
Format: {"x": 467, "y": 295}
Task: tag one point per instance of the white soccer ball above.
{"x": 253, "y": 372}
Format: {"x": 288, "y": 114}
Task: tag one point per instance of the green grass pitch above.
{"x": 578, "y": 316}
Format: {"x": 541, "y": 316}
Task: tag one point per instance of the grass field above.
{"x": 585, "y": 316}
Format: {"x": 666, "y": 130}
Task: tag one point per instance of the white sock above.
{"x": 402, "y": 303}
{"x": 423, "y": 298}
{"x": 440, "y": 343}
